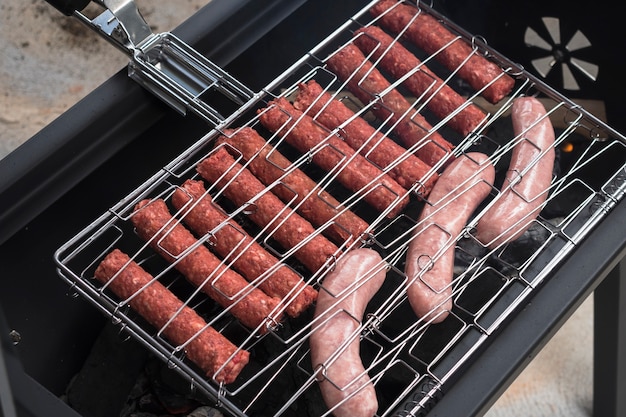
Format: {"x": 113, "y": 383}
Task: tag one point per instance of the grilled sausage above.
{"x": 442, "y": 100}
{"x": 203, "y": 345}
{"x": 528, "y": 178}
{"x": 314, "y": 204}
{"x": 335, "y": 340}
{"x": 368, "y": 84}
{"x": 354, "y": 171}
{"x": 463, "y": 185}
{"x": 404, "y": 167}
{"x": 284, "y": 225}
{"x": 234, "y": 245}
{"x": 431, "y": 36}
{"x": 154, "y": 224}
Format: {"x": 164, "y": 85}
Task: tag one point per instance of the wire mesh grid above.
{"x": 241, "y": 231}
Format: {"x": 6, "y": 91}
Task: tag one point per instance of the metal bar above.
{"x": 609, "y": 373}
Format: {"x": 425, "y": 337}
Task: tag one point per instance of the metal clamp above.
{"x": 165, "y": 65}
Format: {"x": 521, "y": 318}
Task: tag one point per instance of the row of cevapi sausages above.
{"x": 322, "y": 228}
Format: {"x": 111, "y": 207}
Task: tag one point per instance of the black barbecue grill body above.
{"x": 61, "y": 179}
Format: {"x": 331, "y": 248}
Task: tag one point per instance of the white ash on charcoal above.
{"x": 205, "y": 411}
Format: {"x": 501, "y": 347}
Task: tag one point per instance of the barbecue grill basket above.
{"x": 410, "y": 360}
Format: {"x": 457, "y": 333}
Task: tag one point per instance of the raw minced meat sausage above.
{"x": 353, "y": 170}
{"x": 527, "y": 181}
{"x": 181, "y": 325}
{"x": 403, "y": 166}
{"x": 288, "y": 228}
{"x": 443, "y": 101}
{"x": 167, "y": 236}
{"x": 234, "y": 245}
{"x": 313, "y": 203}
{"x": 368, "y": 84}
{"x": 430, "y": 35}
{"x": 335, "y": 340}
{"x": 463, "y": 185}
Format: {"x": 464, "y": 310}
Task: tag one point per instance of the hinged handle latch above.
{"x": 162, "y": 63}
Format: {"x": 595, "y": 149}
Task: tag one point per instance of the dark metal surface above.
{"x": 20, "y": 394}
{"x": 609, "y": 350}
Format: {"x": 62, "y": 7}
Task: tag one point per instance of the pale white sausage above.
{"x": 461, "y": 188}
{"x": 528, "y": 179}
{"x": 335, "y": 340}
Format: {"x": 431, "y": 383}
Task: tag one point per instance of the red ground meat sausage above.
{"x": 284, "y": 225}
{"x": 203, "y": 345}
{"x": 430, "y": 35}
{"x": 234, "y": 245}
{"x": 353, "y": 171}
{"x": 404, "y": 167}
{"x": 442, "y": 100}
{"x": 154, "y": 223}
{"x": 368, "y": 84}
{"x": 314, "y": 204}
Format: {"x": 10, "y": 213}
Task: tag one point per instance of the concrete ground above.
{"x": 49, "y": 62}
